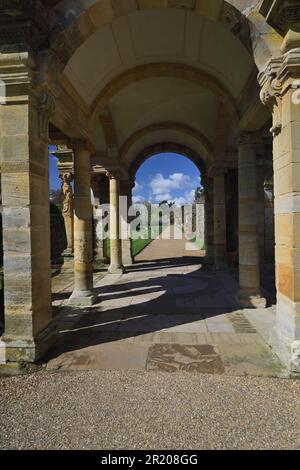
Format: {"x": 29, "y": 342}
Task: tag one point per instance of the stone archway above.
{"x": 201, "y": 75}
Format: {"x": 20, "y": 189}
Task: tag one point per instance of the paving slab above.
{"x": 250, "y": 359}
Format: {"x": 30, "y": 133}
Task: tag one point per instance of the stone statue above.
{"x": 68, "y": 210}
{"x": 68, "y": 193}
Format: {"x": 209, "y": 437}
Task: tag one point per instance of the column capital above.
{"x": 65, "y": 158}
{"x": 268, "y": 80}
{"x": 117, "y": 173}
{"x": 113, "y": 175}
{"x": 249, "y": 138}
{"x": 279, "y": 75}
{"x": 78, "y": 145}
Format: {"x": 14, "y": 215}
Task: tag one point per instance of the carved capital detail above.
{"x": 271, "y": 92}
{"x": 114, "y": 174}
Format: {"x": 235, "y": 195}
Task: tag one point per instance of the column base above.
{"x": 248, "y": 299}
{"x": 83, "y": 299}
{"x": 288, "y": 351}
{"x": 127, "y": 262}
{"x": 99, "y": 263}
{"x": 27, "y": 350}
{"x": 116, "y": 269}
{"x": 68, "y": 254}
{"x": 285, "y": 337}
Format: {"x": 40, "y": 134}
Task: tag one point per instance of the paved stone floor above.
{"x": 167, "y": 313}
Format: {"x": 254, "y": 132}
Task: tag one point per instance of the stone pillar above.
{"x": 99, "y": 246}
{"x": 220, "y": 243}
{"x": 261, "y": 210}
{"x": 126, "y": 191}
{"x": 24, "y": 123}
{"x": 68, "y": 211}
{"x": 280, "y": 90}
{"x": 83, "y": 295}
{"x": 209, "y": 219}
{"x": 269, "y": 221}
{"x": 249, "y": 259}
{"x": 116, "y": 265}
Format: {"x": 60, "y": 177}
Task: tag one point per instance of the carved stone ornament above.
{"x": 46, "y": 106}
{"x": 271, "y": 94}
{"x": 238, "y": 25}
{"x": 67, "y": 190}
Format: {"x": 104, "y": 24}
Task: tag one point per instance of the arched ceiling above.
{"x": 159, "y": 134}
{"x": 133, "y": 64}
{"x": 164, "y": 100}
{"x": 152, "y": 36}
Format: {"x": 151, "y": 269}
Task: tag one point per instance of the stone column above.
{"x": 220, "y": 242}
{"x": 249, "y": 259}
{"x": 269, "y": 221}
{"x": 126, "y": 242}
{"x": 209, "y": 219}
{"x": 116, "y": 265}
{"x": 280, "y": 90}
{"x": 83, "y": 295}
{"x": 261, "y": 209}
{"x": 24, "y": 123}
{"x": 68, "y": 211}
{"x": 99, "y": 248}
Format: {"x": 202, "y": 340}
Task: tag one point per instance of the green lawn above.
{"x": 139, "y": 244}
{"x": 200, "y": 243}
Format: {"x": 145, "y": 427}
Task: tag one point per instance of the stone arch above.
{"x": 167, "y": 147}
{"x": 201, "y": 152}
{"x": 173, "y": 70}
{"x": 75, "y": 23}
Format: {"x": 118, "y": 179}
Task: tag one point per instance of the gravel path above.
{"x": 140, "y": 410}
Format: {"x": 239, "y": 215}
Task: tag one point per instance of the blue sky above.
{"x": 167, "y": 176}
{"x": 55, "y": 182}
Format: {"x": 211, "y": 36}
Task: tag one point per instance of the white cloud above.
{"x": 137, "y": 188}
{"x": 137, "y": 199}
{"x": 178, "y": 181}
{"x": 188, "y": 198}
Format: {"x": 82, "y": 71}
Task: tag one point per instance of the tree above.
{"x": 57, "y": 198}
